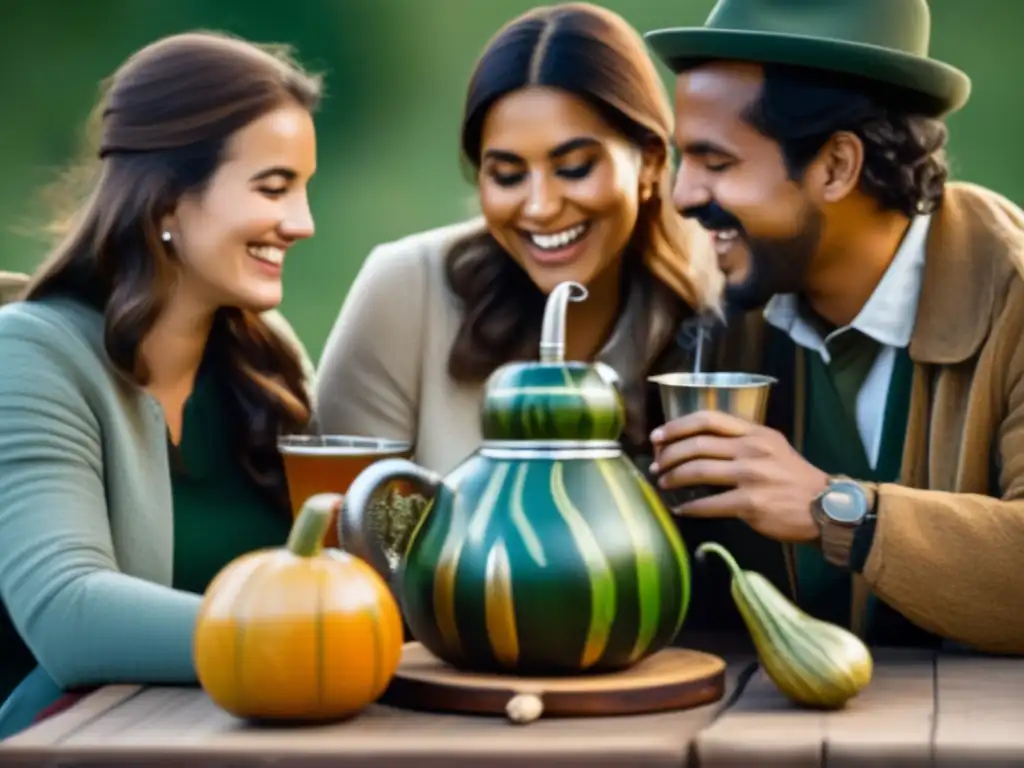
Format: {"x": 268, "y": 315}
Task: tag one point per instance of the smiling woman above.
{"x": 566, "y": 128}
{"x": 147, "y": 375}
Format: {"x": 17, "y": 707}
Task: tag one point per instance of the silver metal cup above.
{"x": 741, "y": 394}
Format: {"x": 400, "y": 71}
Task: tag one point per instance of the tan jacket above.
{"x": 947, "y": 554}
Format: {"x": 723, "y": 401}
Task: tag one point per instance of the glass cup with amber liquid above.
{"x": 329, "y": 463}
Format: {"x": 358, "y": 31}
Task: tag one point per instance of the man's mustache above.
{"x": 712, "y": 216}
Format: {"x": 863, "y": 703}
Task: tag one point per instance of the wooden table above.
{"x": 920, "y": 710}
{"x": 134, "y": 725}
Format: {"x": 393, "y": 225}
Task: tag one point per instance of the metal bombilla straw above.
{"x": 552, "y": 332}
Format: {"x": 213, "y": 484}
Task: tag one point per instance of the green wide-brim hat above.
{"x": 885, "y": 41}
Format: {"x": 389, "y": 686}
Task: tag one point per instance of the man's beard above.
{"x": 776, "y": 265}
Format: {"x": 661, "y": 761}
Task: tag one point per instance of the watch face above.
{"x": 845, "y": 503}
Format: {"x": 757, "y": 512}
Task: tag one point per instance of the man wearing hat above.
{"x": 888, "y": 304}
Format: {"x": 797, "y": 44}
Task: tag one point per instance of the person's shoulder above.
{"x": 427, "y": 248}
{"x": 981, "y": 233}
{"x": 281, "y": 327}
{"x": 56, "y": 325}
{"x": 978, "y": 198}
{"x": 985, "y": 217}
{"x": 52, "y": 354}
{"x": 990, "y": 232}
{"x": 11, "y": 285}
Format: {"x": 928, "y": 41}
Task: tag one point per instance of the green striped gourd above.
{"x": 546, "y": 551}
{"x": 813, "y": 663}
{"x": 551, "y": 401}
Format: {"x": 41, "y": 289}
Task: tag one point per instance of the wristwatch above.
{"x": 840, "y": 511}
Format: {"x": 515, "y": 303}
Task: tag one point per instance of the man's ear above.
{"x": 837, "y": 168}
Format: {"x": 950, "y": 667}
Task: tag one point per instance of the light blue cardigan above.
{"x": 86, "y": 516}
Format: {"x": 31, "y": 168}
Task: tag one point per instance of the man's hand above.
{"x": 770, "y": 486}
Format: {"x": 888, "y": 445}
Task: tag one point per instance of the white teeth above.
{"x": 723, "y": 240}
{"x": 559, "y": 239}
{"x": 267, "y": 253}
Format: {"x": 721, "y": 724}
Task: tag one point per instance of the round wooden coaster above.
{"x": 674, "y": 678}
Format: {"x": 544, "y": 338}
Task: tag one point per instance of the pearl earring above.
{"x": 165, "y": 236}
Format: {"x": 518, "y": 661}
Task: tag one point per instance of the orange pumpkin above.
{"x": 300, "y": 632}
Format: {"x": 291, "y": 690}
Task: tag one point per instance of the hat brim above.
{"x": 936, "y": 87}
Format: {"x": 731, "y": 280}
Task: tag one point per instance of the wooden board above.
{"x": 675, "y": 678}
{"x": 170, "y": 727}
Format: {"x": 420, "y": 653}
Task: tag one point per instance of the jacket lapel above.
{"x": 964, "y": 252}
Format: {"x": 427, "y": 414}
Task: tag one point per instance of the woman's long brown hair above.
{"x": 163, "y": 124}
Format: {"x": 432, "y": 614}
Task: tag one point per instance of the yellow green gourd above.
{"x": 812, "y": 662}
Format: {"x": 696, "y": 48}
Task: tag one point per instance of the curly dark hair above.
{"x": 905, "y": 167}
{"x": 163, "y": 126}
{"x": 592, "y": 53}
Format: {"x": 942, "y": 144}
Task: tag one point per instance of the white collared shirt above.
{"x": 887, "y": 317}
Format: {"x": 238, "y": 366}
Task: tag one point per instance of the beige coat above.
{"x": 947, "y": 554}
{"x": 383, "y": 372}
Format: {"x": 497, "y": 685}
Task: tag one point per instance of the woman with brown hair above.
{"x": 567, "y": 127}
{"x": 145, "y": 376}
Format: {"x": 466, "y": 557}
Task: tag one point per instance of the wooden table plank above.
{"x": 165, "y": 726}
{"x": 980, "y": 713}
{"x": 890, "y": 723}
{"x": 55, "y": 729}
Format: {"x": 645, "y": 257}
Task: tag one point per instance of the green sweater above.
{"x": 219, "y": 513}
{"x": 92, "y": 527}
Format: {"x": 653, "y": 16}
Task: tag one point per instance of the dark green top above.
{"x": 832, "y": 443}
{"x": 219, "y": 513}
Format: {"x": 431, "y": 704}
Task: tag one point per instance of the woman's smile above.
{"x": 558, "y": 246}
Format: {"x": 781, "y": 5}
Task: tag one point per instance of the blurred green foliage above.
{"x": 388, "y": 135}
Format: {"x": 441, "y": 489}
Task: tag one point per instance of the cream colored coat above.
{"x": 383, "y": 372}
